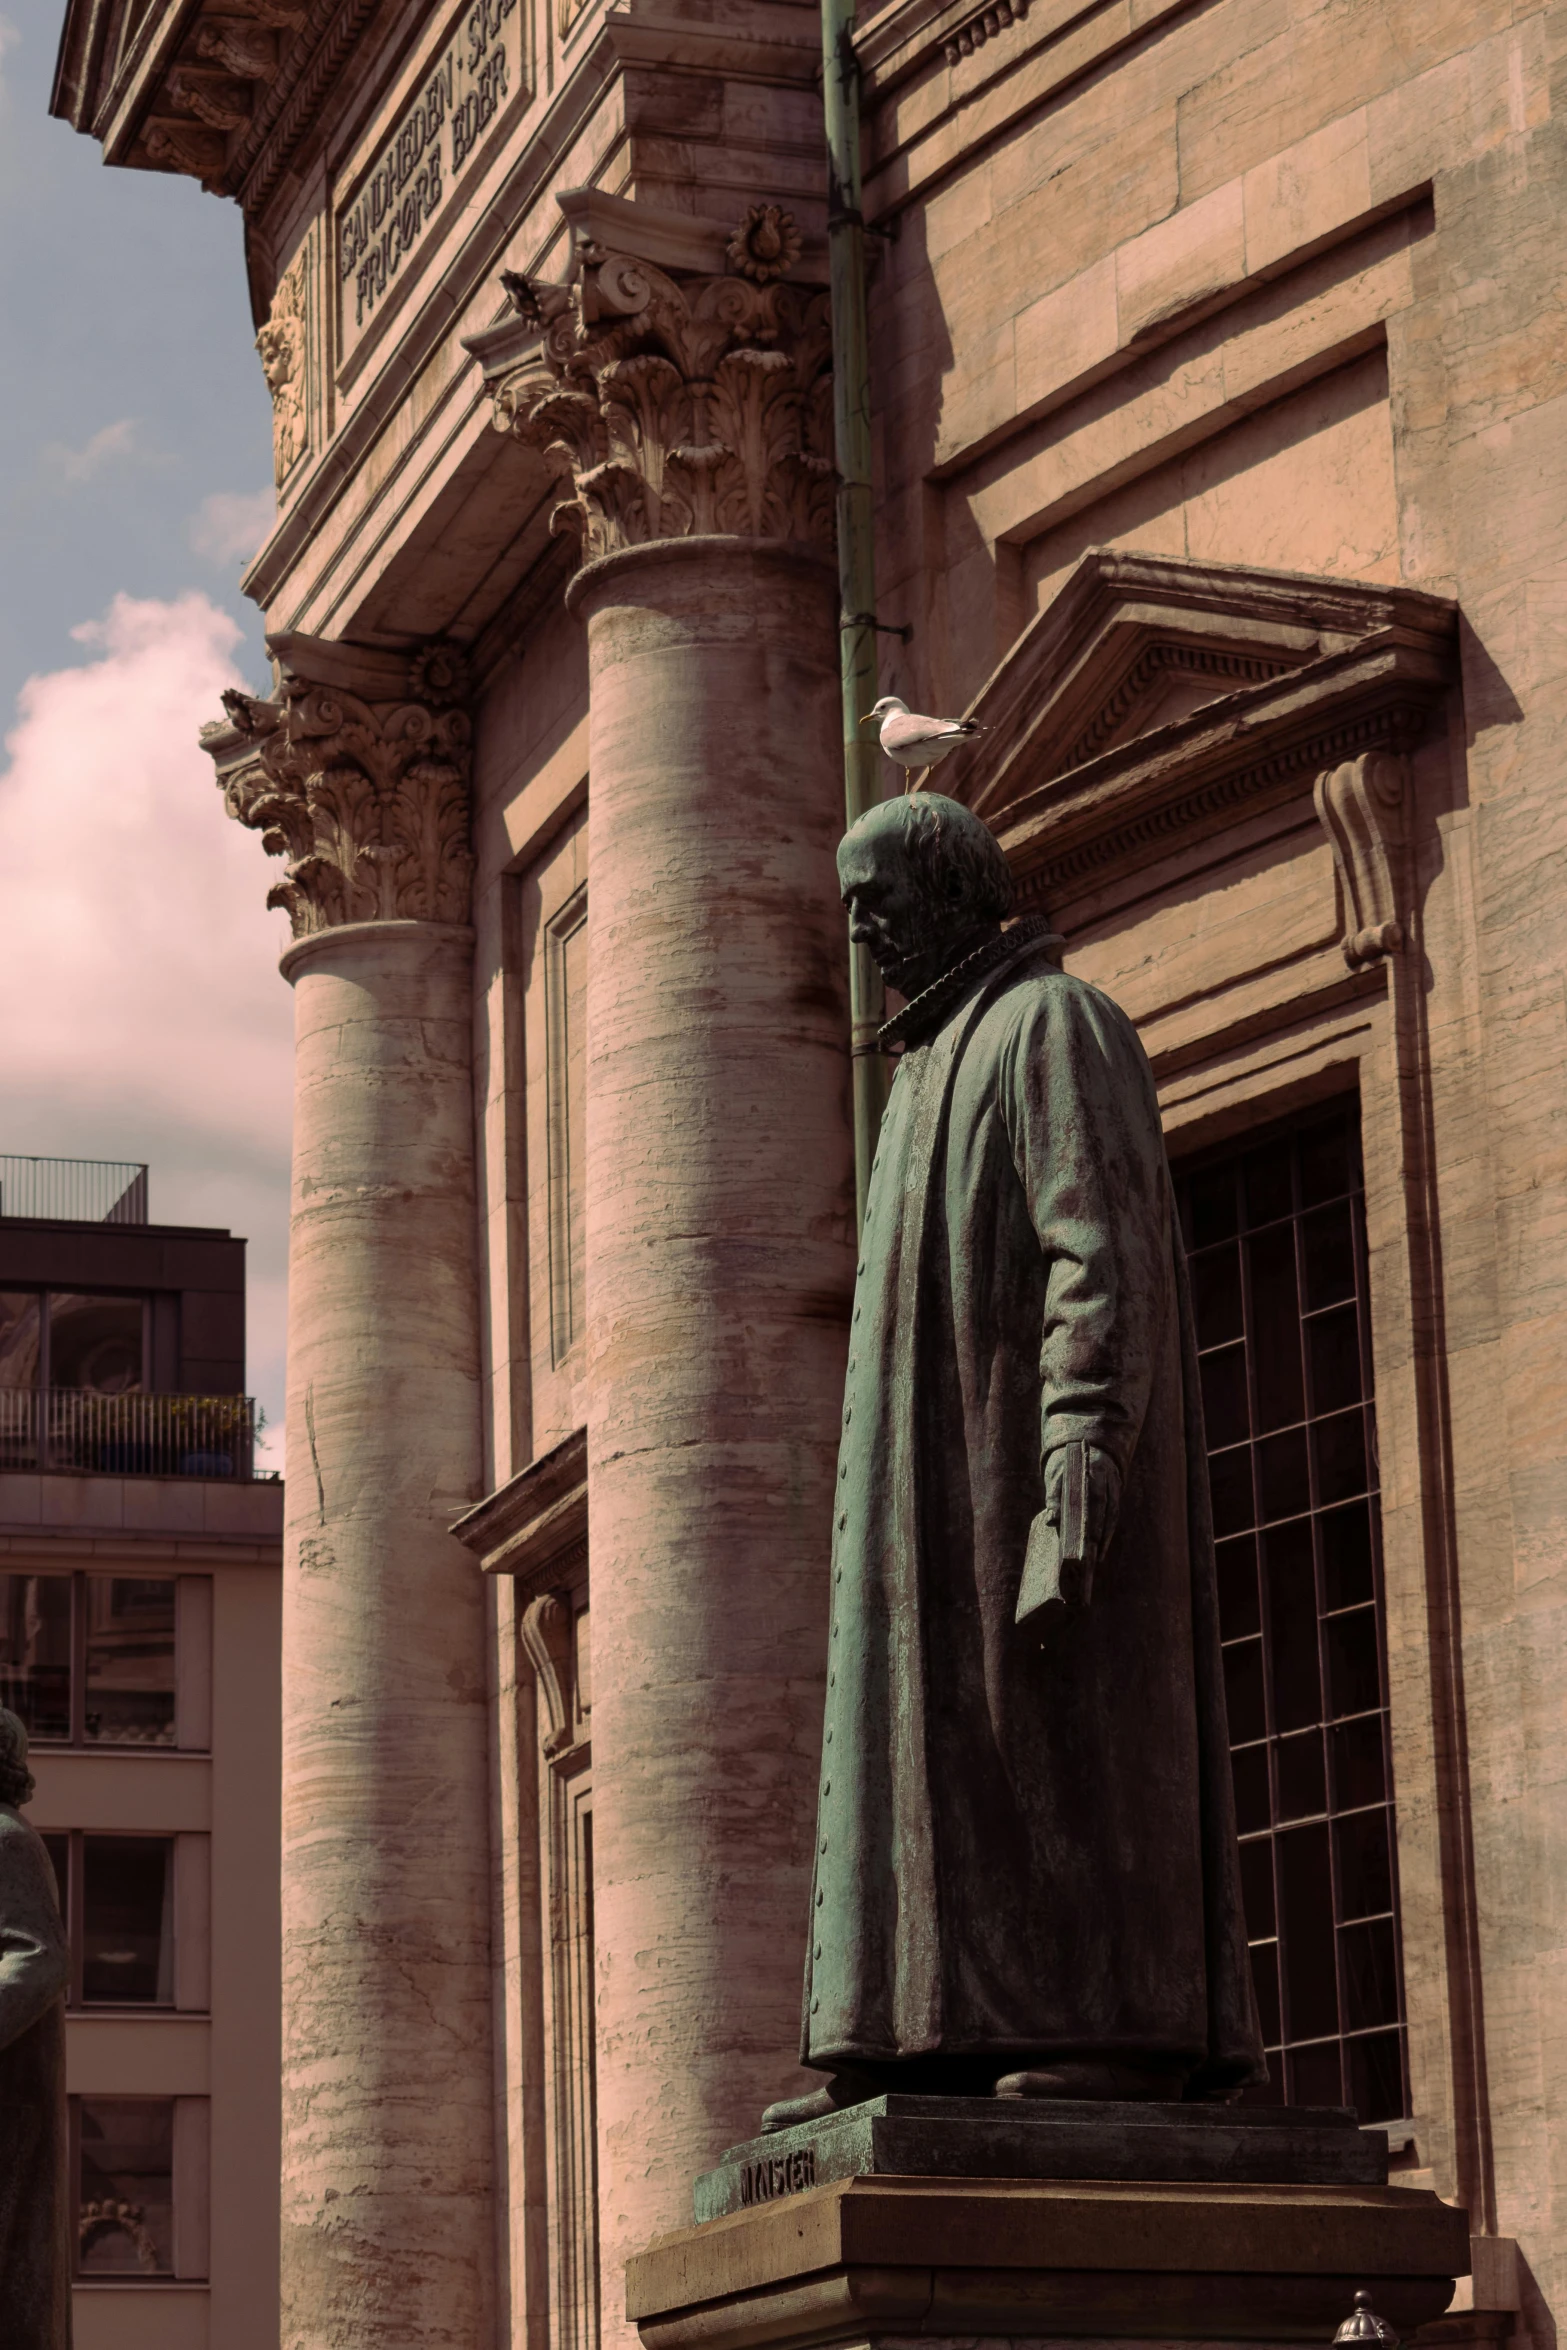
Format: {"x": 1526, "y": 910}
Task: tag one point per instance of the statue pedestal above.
{"x": 1181, "y": 2224}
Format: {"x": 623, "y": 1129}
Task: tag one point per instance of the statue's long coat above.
{"x": 35, "y": 2231}
{"x": 1023, "y": 1850}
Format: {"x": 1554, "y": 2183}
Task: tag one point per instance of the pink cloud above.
{"x": 229, "y": 526}
{"x": 147, "y": 1018}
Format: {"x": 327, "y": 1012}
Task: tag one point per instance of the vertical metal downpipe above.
{"x": 851, "y": 383}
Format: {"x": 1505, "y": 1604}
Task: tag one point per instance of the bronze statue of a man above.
{"x": 35, "y": 2223}
{"x": 1026, "y": 1875}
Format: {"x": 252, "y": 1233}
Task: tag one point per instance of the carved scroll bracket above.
{"x": 357, "y": 773}
{"x": 1361, "y": 805}
{"x": 670, "y": 406}
{"x": 545, "y": 1635}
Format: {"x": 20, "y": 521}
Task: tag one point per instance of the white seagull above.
{"x": 915, "y": 741}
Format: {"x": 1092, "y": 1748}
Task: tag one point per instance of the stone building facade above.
{"x": 1218, "y": 379}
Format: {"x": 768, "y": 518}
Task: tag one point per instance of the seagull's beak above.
{"x": 870, "y": 719}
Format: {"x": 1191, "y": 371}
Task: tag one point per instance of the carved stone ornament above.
{"x": 1157, "y": 700}
{"x": 544, "y": 1635}
{"x": 766, "y": 244}
{"x": 673, "y": 408}
{"x": 187, "y": 147}
{"x": 983, "y": 26}
{"x": 284, "y": 346}
{"x": 249, "y": 51}
{"x": 1360, "y": 805}
{"x": 535, "y": 1527}
{"x": 357, "y": 774}
{"x": 220, "y": 100}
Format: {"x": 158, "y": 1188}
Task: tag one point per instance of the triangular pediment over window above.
{"x": 1156, "y": 698}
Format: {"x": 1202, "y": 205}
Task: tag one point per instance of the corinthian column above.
{"x": 689, "y": 421}
{"x": 357, "y": 775}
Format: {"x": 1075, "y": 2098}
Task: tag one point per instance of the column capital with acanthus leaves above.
{"x": 674, "y": 404}
{"x": 356, "y": 772}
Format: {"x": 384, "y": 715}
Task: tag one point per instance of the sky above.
{"x": 145, "y": 1015}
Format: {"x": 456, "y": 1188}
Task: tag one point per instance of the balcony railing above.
{"x": 75, "y": 1429}
{"x": 75, "y": 1191}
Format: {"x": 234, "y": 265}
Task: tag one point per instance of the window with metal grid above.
{"x": 1275, "y": 1234}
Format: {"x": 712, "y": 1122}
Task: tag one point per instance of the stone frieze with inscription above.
{"x": 391, "y": 208}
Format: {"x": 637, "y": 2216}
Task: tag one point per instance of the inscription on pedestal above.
{"x": 781, "y": 2174}
{"x": 898, "y": 2136}
{"x": 440, "y": 129}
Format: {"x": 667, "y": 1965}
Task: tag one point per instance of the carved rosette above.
{"x": 671, "y": 409}
{"x": 368, "y": 800}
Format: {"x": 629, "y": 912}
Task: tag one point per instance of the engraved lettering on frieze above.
{"x": 284, "y": 344}
{"x": 453, "y": 108}
{"x": 778, "y": 2174}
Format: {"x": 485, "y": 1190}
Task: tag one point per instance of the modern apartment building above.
{"x": 139, "y": 1627}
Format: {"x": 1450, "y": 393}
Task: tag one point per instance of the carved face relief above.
{"x": 278, "y": 354}
{"x": 284, "y": 347}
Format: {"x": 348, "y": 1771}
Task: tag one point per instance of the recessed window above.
{"x": 125, "y": 2204}
{"x": 35, "y": 1651}
{"x": 21, "y": 1337}
{"x": 137, "y": 1918}
{"x": 69, "y": 1362}
{"x": 100, "y": 1660}
{"x": 128, "y": 1661}
{"x": 87, "y": 1340}
{"x": 565, "y": 996}
{"x": 140, "y": 2170}
{"x": 1275, "y": 1233}
{"x": 125, "y": 2193}
{"x": 127, "y": 1921}
{"x": 96, "y": 1342}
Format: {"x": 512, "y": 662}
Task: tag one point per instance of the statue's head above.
{"x": 922, "y": 878}
{"x": 16, "y": 1780}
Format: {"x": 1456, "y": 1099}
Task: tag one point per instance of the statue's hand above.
{"x": 1070, "y": 1535}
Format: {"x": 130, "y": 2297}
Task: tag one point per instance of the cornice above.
{"x": 757, "y": 46}
{"x": 227, "y": 95}
{"x": 535, "y": 1526}
{"x": 200, "y": 87}
{"x": 1246, "y": 750}
{"x": 1046, "y": 705}
{"x": 966, "y": 54}
{"x": 897, "y": 41}
{"x": 1319, "y": 688}
{"x": 288, "y": 108}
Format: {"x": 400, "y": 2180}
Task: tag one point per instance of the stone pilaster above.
{"x": 356, "y": 774}
{"x": 688, "y": 419}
